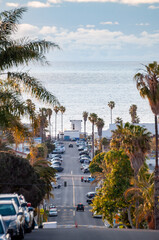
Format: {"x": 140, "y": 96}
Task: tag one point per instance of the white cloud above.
{"x": 90, "y": 26}
{"x": 109, "y": 23}
{"x": 89, "y": 38}
{"x": 142, "y": 24}
{"x": 37, "y": 4}
{"x": 153, "y": 7}
{"x": 48, "y": 30}
{"x": 10, "y": 4}
{"x": 129, "y": 2}
{"x": 27, "y": 30}
{"x": 55, "y": 1}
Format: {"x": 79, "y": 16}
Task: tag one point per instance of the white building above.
{"x": 74, "y": 132}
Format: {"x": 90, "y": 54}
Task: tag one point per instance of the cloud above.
{"x": 90, "y": 26}
{"x": 27, "y": 30}
{"x": 85, "y": 38}
{"x": 153, "y": 7}
{"x": 37, "y": 4}
{"x": 109, "y": 23}
{"x": 10, "y": 4}
{"x": 129, "y": 2}
{"x": 142, "y": 24}
{"x": 55, "y": 1}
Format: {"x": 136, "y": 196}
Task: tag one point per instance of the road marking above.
{"x": 73, "y": 183}
{"x": 74, "y": 213}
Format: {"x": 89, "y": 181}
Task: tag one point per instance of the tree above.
{"x": 110, "y": 198}
{"x": 111, "y": 104}
{"x": 93, "y": 119}
{"x": 105, "y": 143}
{"x": 49, "y": 114}
{"x": 85, "y": 116}
{"x": 62, "y": 110}
{"x": 95, "y": 165}
{"x": 118, "y": 120}
{"x": 142, "y": 190}
{"x": 133, "y": 113}
{"x": 100, "y": 125}
{"x": 22, "y": 51}
{"x": 134, "y": 140}
{"x": 17, "y": 175}
{"x": 43, "y": 122}
{"x": 148, "y": 85}
{"x": 56, "y": 110}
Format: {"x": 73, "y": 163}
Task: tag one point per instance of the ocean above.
{"x": 89, "y": 86}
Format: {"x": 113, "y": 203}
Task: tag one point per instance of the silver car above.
{"x": 4, "y": 235}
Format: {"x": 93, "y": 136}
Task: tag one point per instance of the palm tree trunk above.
{"x": 62, "y": 125}
{"x": 156, "y": 187}
{"x": 111, "y": 115}
{"x": 55, "y": 124}
{"x": 84, "y": 129}
{"x": 92, "y": 140}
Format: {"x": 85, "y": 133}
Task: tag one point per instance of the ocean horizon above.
{"x": 89, "y": 86}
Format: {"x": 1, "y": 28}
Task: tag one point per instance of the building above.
{"x": 75, "y": 131}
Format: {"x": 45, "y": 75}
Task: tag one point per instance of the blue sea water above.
{"x": 89, "y": 86}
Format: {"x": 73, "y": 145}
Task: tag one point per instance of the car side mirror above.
{"x": 24, "y": 204}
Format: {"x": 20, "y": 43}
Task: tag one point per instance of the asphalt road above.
{"x": 66, "y": 198}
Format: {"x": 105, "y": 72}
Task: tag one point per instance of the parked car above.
{"x": 29, "y": 217}
{"x": 52, "y": 212}
{"x": 55, "y": 185}
{"x": 70, "y": 145}
{"x": 80, "y": 207}
{"x": 84, "y": 166}
{"x": 90, "y": 194}
{"x": 57, "y": 176}
{"x": 89, "y": 201}
{"x": 58, "y": 168}
{"x": 85, "y": 170}
{"x": 56, "y": 162}
{"x": 4, "y": 235}
{"x": 13, "y": 219}
{"x": 84, "y": 153}
{"x": 96, "y": 215}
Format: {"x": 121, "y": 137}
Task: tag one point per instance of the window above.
{"x": 7, "y": 210}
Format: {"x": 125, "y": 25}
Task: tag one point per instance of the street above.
{"x": 66, "y": 198}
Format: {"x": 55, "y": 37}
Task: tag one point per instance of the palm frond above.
{"x": 34, "y": 86}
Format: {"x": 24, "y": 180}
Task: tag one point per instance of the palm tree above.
{"x": 49, "y": 113}
{"x": 111, "y": 104}
{"x": 56, "y": 109}
{"x": 118, "y": 120}
{"x": 135, "y": 141}
{"x": 133, "y": 113}
{"x": 100, "y": 125}
{"x": 93, "y": 119}
{"x": 21, "y": 52}
{"x": 43, "y": 122}
{"x": 62, "y": 110}
{"x": 148, "y": 86}
{"x": 142, "y": 191}
{"x": 85, "y": 116}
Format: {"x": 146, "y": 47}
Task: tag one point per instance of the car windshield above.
{"x": 7, "y": 210}
{"x": 1, "y": 229}
{"x": 10, "y": 198}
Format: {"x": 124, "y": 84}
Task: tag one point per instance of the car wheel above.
{"x": 33, "y": 224}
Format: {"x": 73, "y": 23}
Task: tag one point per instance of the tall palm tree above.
{"x": 43, "y": 122}
{"x": 135, "y": 141}
{"x": 111, "y": 104}
{"x": 49, "y": 113}
{"x": 148, "y": 86}
{"x": 85, "y": 116}
{"x": 100, "y": 125}
{"x": 62, "y": 110}
{"x": 56, "y": 110}
{"x": 93, "y": 119}
{"x": 22, "y": 51}
{"x": 32, "y": 114}
{"x": 133, "y": 113}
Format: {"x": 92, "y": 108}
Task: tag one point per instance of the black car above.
{"x": 80, "y": 207}
{"x": 70, "y": 145}
{"x": 59, "y": 169}
{"x": 89, "y": 201}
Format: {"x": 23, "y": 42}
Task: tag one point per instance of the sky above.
{"x": 92, "y": 30}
